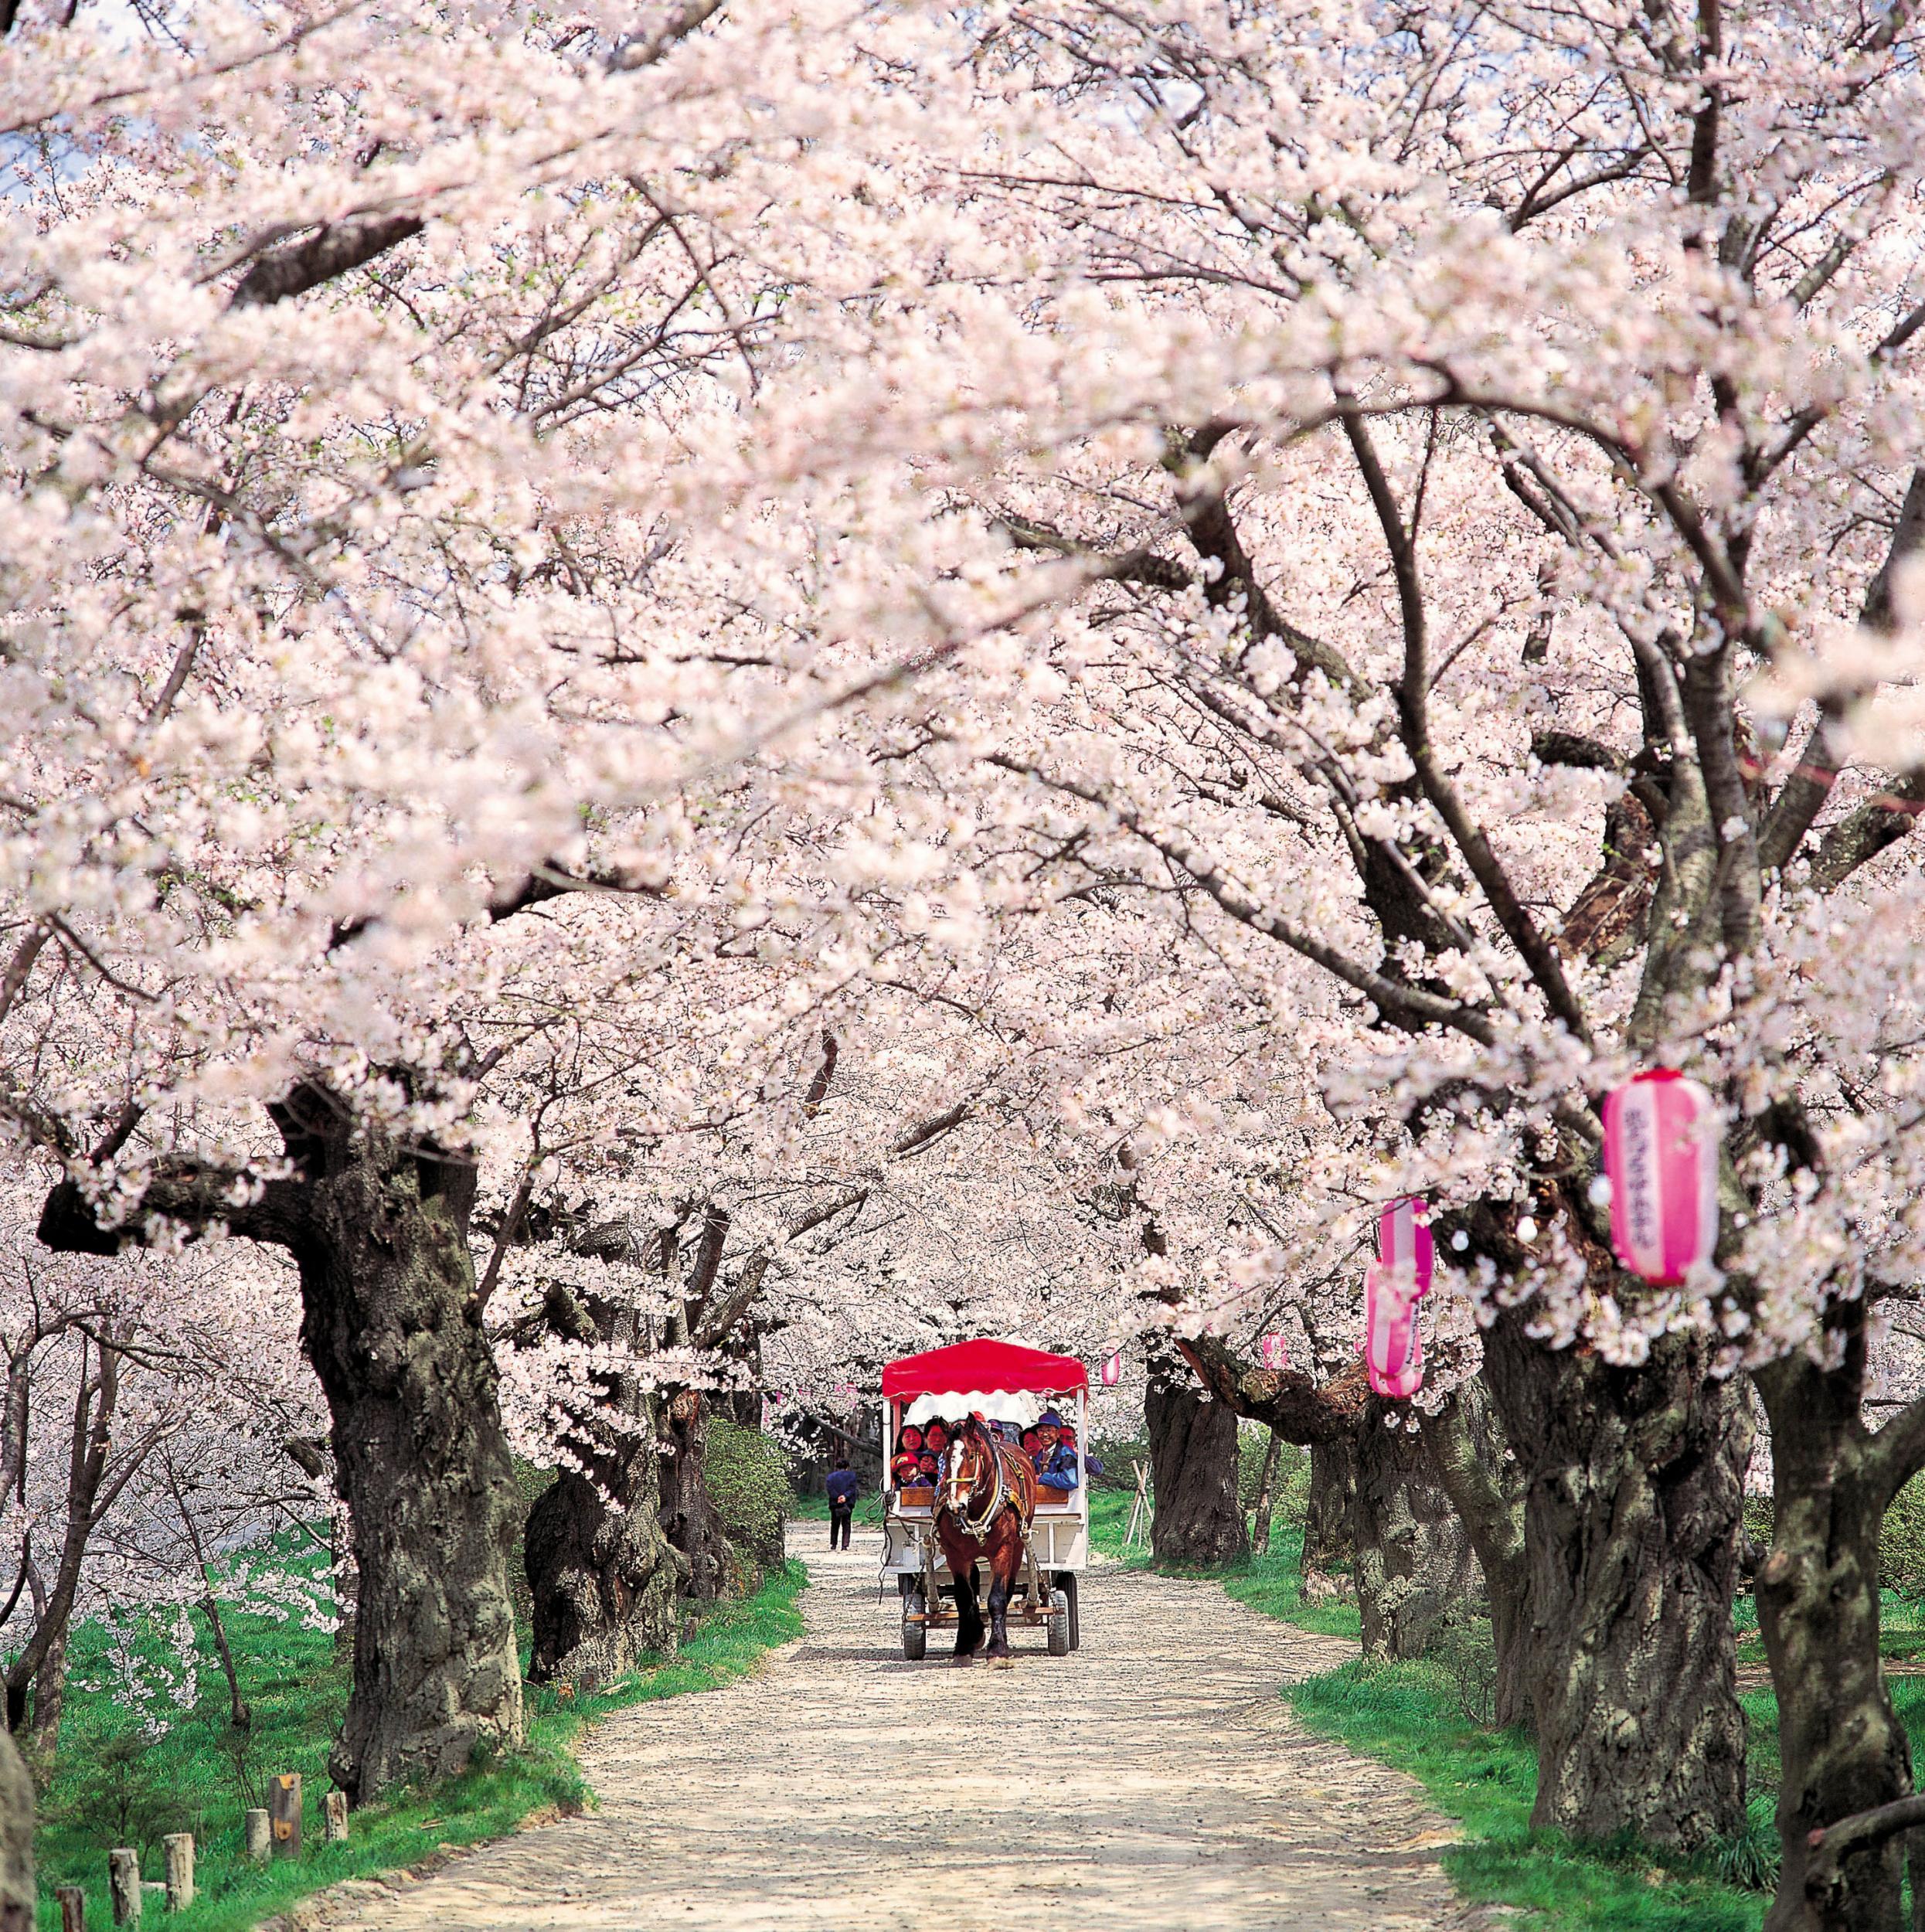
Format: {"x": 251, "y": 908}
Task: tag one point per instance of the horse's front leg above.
{"x": 1001, "y": 1581}
{"x": 968, "y": 1617}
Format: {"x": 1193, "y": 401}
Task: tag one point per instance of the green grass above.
{"x": 1409, "y": 1716}
{"x": 112, "y": 1786}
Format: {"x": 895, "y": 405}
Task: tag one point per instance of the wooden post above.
{"x": 335, "y": 1828}
{"x": 259, "y": 1839}
{"x": 178, "y": 1847}
{"x": 73, "y": 1903}
{"x": 1140, "y": 1509}
{"x": 283, "y": 1806}
{"x": 124, "y": 1882}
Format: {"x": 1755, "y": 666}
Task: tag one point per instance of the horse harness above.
{"x": 978, "y": 1526}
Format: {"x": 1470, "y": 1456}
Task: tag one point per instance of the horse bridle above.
{"x": 975, "y": 1526}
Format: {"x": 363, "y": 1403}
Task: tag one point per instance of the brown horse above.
{"x": 984, "y": 1507}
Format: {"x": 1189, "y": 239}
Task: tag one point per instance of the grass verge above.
{"x": 1412, "y": 1716}
{"x": 117, "y": 1783}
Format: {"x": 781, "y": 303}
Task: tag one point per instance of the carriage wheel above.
{"x": 915, "y": 1636}
{"x": 1058, "y": 1626}
{"x": 1067, "y": 1582}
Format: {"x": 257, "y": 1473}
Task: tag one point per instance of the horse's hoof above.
{"x": 966, "y": 1658}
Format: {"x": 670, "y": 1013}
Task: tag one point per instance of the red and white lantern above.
{"x": 1393, "y": 1348}
{"x": 1661, "y": 1157}
{"x": 1111, "y": 1373}
{"x": 1275, "y": 1351}
{"x": 1403, "y": 1240}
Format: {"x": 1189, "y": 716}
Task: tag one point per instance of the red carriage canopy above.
{"x": 964, "y": 1367}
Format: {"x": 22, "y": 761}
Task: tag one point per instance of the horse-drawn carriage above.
{"x": 990, "y": 1514}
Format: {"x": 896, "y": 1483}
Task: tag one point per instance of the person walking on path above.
{"x": 841, "y": 1488}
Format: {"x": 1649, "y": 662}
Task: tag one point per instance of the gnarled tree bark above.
{"x": 391, "y": 1323}
{"x": 1414, "y": 1563}
{"x": 1329, "y": 1543}
{"x": 1417, "y": 1573}
{"x": 1199, "y": 1517}
{"x": 1634, "y": 1487}
{"x": 1843, "y": 1750}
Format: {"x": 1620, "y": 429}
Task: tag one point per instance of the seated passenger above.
{"x": 911, "y": 1438}
{"x": 1089, "y": 1461}
{"x": 936, "y": 1439}
{"x": 1055, "y": 1460}
{"x": 931, "y": 1471}
{"x": 907, "y": 1470}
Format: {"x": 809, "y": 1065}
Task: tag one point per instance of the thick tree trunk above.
{"x": 18, "y": 1900}
{"x": 394, "y": 1328}
{"x": 1416, "y": 1571}
{"x": 604, "y": 1580}
{"x": 1842, "y": 1747}
{"x": 1329, "y": 1543}
{"x": 392, "y": 1324}
{"x": 1193, "y": 1452}
{"x": 689, "y": 1518}
{"x": 1480, "y": 1476}
{"x": 1631, "y": 1528}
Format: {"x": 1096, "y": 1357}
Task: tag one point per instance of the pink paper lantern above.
{"x": 1403, "y": 1240}
{"x": 1661, "y": 1157}
{"x": 1112, "y": 1370}
{"x": 1393, "y": 1348}
{"x": 1276, "y": 1351}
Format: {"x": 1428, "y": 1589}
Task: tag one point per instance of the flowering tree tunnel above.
{"x": 99, "y": 1467}
{"x": 377, "y": 1226}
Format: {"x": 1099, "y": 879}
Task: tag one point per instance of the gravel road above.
{"x": 1153, "y": 1782}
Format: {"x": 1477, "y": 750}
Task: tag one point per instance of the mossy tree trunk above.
{"x": 1329, "y": 1543}
{"x": 1198, "y": 1519}
{"x": 1415, "y": 1570}
{"x": 1632, "y": 1512}
{"x": 392, "y": 1324}
{"x": 689, "y": 1518}
{"x": 1843, "y": 1750}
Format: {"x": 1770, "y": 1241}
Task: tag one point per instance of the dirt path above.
{"x": 1153, "y": 1782}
